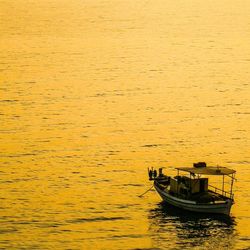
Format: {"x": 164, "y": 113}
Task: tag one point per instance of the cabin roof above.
{"x": 208, "y": 170}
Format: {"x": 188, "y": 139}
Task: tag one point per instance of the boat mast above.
{"x": 231, "y": 190}
{"x": 223, "y": 185}
{"x": 178, "y": 181}
{"x": 190, "y": 182}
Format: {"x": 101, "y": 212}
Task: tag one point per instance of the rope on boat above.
{"x": 146, "y": 191}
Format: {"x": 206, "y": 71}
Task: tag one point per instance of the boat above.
{"x": 191, "y": 190}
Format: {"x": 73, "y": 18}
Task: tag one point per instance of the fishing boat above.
{"x": 191, "y": 190}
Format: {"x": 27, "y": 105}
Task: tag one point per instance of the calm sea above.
{"x": 92, "y": 92}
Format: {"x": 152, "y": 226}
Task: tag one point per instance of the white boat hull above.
{"x": 222, "y": 207}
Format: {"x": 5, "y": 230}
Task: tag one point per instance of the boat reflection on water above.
{"x": 173, "y": 228}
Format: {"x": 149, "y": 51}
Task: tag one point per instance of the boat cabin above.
{"x": 185, "y": 185}
{"x": 196, "y": 185}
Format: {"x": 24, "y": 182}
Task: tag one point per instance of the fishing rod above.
{"x": 146, "y": 191}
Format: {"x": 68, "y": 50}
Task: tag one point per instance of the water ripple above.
{"x": 96, "y": 219}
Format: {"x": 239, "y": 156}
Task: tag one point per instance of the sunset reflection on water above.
{"x": 94, "y": 92}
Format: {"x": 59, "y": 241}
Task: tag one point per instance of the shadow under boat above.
{"x": 164, "y": 210}
{"x": 170, "y": 227}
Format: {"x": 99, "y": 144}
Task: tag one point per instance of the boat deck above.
{"x": 208, "y": 196}
{"x": 200, "y": 197}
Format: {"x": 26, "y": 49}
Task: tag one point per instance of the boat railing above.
{"x": 222, "y": 192}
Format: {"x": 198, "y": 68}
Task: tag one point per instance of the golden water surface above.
{"x": 92, "y": 92}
